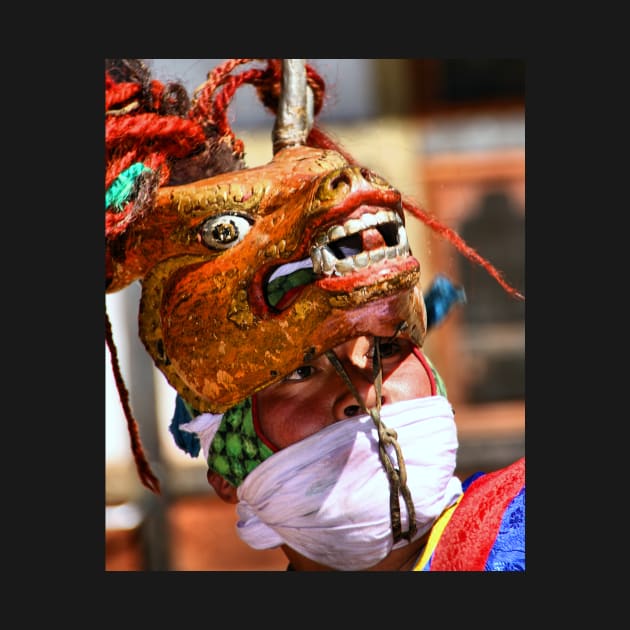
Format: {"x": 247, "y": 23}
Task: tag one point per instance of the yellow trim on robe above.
{"x": 436, "y": 533}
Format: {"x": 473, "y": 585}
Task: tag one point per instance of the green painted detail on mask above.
{"x": 278, "y": 287}
{"x": 236, "y": 449}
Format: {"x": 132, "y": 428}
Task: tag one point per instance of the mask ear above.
{"x": 222, "y": 487}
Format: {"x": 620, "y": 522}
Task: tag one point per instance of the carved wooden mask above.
{"x": 248, "y": 274}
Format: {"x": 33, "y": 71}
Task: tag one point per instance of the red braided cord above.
{"x": 460, "y": 245}
{"x": 224, "y": 97}
{"x": 144, "y": 136}
{"x": 202, "y": 99}
{"x": 206, "y": 110}
{"x": 170, "y": 134}
{"x": 117, "y": 93}
{"x": 268, "y": 82}
{"x": 210, "y": 105}
{"x": 142, "y": 465}
{"x": 157, "y": 92}
{"x": 117, "y": 223}
{"x": 318, "y": 86}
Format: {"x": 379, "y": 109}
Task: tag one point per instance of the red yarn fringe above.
{"x": 142, "y": 465}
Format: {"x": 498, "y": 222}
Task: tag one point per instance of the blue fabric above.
{"x": 470, "y": 479}
{"x": 440, "y": 299}
{"x": 188, "y": 442}
{"x": 508, "y": 551}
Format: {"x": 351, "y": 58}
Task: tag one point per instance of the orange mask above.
{"x": 207, "y": 251}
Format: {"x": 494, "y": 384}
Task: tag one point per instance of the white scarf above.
{"x": 327, "y": 496}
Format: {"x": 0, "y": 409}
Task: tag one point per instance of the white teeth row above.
{"x": 325, "y": 262}
{"x": 352, "y": 226}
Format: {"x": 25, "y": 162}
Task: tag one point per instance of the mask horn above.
{"x": 294, "y": 118}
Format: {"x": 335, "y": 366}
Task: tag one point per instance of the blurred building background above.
{"x": 448, "y": 133}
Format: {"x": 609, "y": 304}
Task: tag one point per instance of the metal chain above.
{"x": 386, "y": 437}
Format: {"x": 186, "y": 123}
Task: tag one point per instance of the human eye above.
{"x": 301, "y": 374}
{"x": 387, "y": 348}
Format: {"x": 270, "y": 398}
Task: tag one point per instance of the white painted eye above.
{"x": 224, "y": 231}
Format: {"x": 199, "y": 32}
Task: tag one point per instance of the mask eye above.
{"x": 224, "y": 231}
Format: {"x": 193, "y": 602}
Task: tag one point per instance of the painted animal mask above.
{"x": 248, "y": 274}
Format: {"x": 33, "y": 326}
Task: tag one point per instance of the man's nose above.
{"x": 347, "y": 405}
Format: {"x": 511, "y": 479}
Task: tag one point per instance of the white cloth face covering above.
{"x": 327, "y": 496}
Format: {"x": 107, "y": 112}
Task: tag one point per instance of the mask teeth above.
{"x": 326, "y": 263}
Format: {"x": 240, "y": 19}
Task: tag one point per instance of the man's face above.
{"x": 315, "y": 395}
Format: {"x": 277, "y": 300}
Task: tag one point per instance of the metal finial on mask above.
{"x": 294, "y": 118}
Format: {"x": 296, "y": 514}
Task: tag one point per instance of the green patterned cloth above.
{"x": 236, "y": 449}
